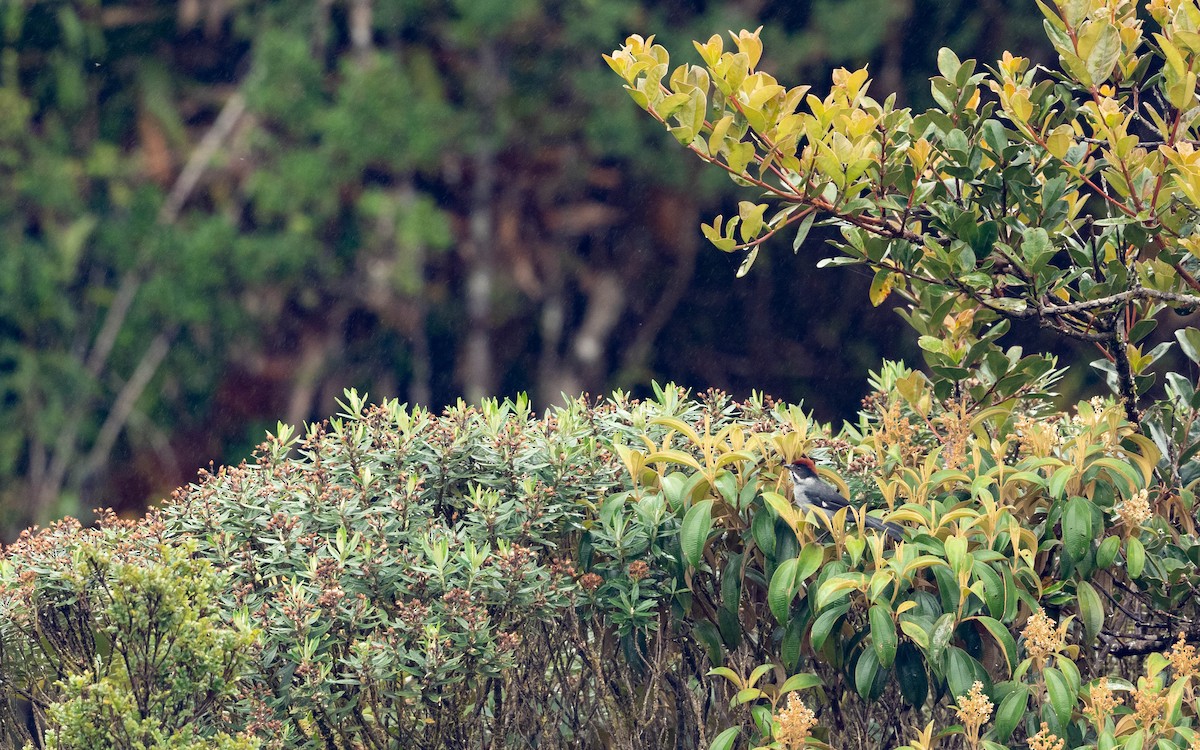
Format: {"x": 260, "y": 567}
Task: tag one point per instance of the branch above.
{"x": 1141, "y": 646}
{"x": 198, "y": 162}
{"x": 1065, "y": 308}
{"x": 1189, "y": 279}
{"x": 1125, "y": 372}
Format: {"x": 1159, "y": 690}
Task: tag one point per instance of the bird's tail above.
{"x": 890, "y": 529}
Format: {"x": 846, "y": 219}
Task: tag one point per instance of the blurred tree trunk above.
{"x": 891, "y": 71}
{"x": 479, "y": 370}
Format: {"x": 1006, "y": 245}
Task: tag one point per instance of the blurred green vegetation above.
{"x": 214, "y": 215}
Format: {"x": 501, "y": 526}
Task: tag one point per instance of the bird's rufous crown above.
{"x": 806, "y": 462}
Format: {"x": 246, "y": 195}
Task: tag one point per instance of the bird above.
{"x": 809, "y": 492}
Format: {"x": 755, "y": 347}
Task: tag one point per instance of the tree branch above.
{"x": 1067, "y": 308}
{"x": 1125, "y": 371}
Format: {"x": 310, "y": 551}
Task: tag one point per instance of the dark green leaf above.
{"x": 1091, "y": 609}
{"x": 1011, "y": 712}
{"x": 693, "y": 535}
{"x": 961, "y": 671}
{"x": 911, "y": 675}
{"x": 1004, "y": 638}
{"x": 1061, "y": 697}
{"x": 883, "y": 634}
{"x": 782, "y": 590}
{"x": 1077, "y": 528}
{"x": 825, "y": 623}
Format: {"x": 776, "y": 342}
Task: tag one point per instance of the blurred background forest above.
{"x": 216, "y": 214}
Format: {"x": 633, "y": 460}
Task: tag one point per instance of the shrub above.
{"x": 413, "y": 571}
{"x": 1065, "y": 198}
{"x": 630, "y": 574}
{"x": 113, "y": 638}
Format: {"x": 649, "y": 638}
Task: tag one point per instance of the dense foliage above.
{"x": 628, "y": 574}
{"x": 113, "y": 639}
{"x": 215, "y": 215}
{"x": 632, "y": 573}
{"x": 1063, "y": 198}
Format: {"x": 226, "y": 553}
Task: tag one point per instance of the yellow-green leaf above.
{"x": 881, "y": 286}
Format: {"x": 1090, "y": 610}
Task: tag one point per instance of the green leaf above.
{"x": 782, "y": 590}
{"x": 1091, "y": 610}
{"x": 1135, "y": 556}
{"x": 948, "y": 63}
{"x": 1074, "y": 11}
{"x": 1107, "y": 552}
{"x": 712, "y": 232}
{"x": 825, "y": 623}
{"x": 747, "y": 263}
{"x": 747, "y": 695}
{"x": 1011, "y": 711}
{"x": 993, "y": 134}
{"x": 708, "y": 636}
{"x": 940, "y": 637}
{"x": 757, "y": 674}
{"x": 762, "y": 718}
{"x": 911, "y": 675}
{"x": 725, "y": 740}
{"x": 801, "y": 681}
{"x": 986, "y": 238}
{"x": 837, "y": 586}
{"x": 1077, "y": 528}
{"x": 865, "y": 673}
{"x": 793, "y": 639}
{"x": 731, "y": 585}
{"x": 697, "y": 522}
{"x": 883, "y": 634}
{"x": 809, "y": 561}
{"x": 1189, "y": 342}
{"x": 739, "y": 156}
{"x": 729, "y": 624}
{"x": 932, "y": 344}
{"x": 916, "y": 633}
{"x": 1034, "y": 244}
{"x": 1003, "y": 637}
{"x": 1061, "y": 698}
{"x": 1058, "y": 482}
{"x": 763, "y": 530}
{"x": 1103, "y": 55}
{"x": 751, "y": 215}
{"x": 881, "y": 286}
{"x": 802, "y": 232}
{"x": 993, "y": 588}
{"x": 727, "y": 673}
{"x": 960, "y": 671}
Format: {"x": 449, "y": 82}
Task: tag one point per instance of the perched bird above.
{"x": 810, "y": 492}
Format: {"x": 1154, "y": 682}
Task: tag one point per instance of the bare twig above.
{"x": 124, "y": 403}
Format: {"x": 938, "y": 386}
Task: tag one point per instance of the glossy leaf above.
{"x": 883, "y": 635}
{"x": 1091, "y": 609}
{"x": 1011, "y": 712}
{"x": 697, "y": 523}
